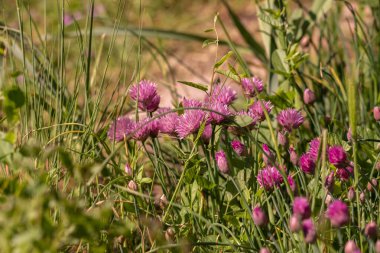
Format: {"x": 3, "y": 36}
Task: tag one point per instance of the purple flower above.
{"x": 259, "y": 217}
{"x": 146, "y": 128}
{"x": 120, "y": 128}
{"x": 338, "y": 214}
{"x": 249, "y": 85}
{"x": 307, "y": 164}
{"x": 146, "y": 94}
{"x": 290, "y": 119}
{"x": 268, "y": 155}
{"x": 222, "y": 113}
{"x": 309, "y": 232}
{"x": 337, "y": 156}
{"x": 221, "y": 161}
{"x": 293, "y": 156}
{"x": 239, "y": 148}
{"x": 344, "y": 174}
{"x": 190, "y": 121}
{"x": 168, "y": 122}
{"x": 308, "y": 97}
{"x": 207, "y": 133}
{"x": 269, "y": 177}
{"x": 221, "y": 94}
{"x": 314, "y": 149}
{"x": 376, "y": 113}
{"x": 351, "y": 247}
{"x": 255, "y": 111}
{"x": 371, "y": 230}
{"x": 301, "y": 207}
{"x": 132, "y": 185}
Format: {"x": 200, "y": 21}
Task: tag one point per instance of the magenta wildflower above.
{"x": 290, "y": 119}
{"x": 221, "y": 114}
{"x": 268, "y": 155}
{"x": 221, "y": 94}
{"x": 146, "y": 128}
{"x": 314, "y": 149}
{"x": 351, "y": 247}
{"x": 207, "y": 133}
{"x": 255, "y": 111}
{"x": 259, "y": 217}
{"x": 337, "y": 156}
{"x": 168, "y": 122}
{"x": 239, "y": 148}
{"x": 344, "y": 174}
{"x": 377, "y": 246}
{"x": 269, "y": 177}
{"x": 190, "y": 121}
{"x": 338, "y": 214}
{"x": 308, "y": 97}
{"x": 376, "y": 113}
{"x": 371, "y": 230}
{"x": 309, "y": 232}
{"x": 249, "y": 85}
{"x": 120, "y": 128}
{"x": 221, "y": 161}
{"x": 301, "y": 207}
{"x": 307, "y": 164}
{"x": 148, "y": 99}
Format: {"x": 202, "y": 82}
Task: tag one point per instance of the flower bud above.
{"x": 377, "y": 246}
{"x": 351, "y": 194}
{"x": 163, "y": 201}
{"x": 221, "y": 161}
{"x": 282, "y": 139}
{"x": 328, "y": 199}
{"x": 259, "y": 217}
{"x": 308, "y": 97}
{"x": 268, "y": 155}
{"x": 309, "y": 232}
{"x": 376, "y": 113}
{"x": 128, "y": 169}
{"x": 329, "y": 183}
{"x": 371, "y": 230}
{"x": 170, "y": 234}
{"x": 239, "y": 148}
{"x": 371, "y": 185}
{"x": 349, "y": 134}
{"x": 362, "y": 197}
{"x": 378, "y": 166}
{"x": 351, "y": 247}
{"x": 132, "y": 185}
{"x": 294, "y": 224}
{"x": 293, "y": 156}
{"x": 265, "y": 250}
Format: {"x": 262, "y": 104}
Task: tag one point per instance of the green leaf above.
{"x": 279, "y": 61}
{"x": 198, "y": 86}
{"x": 205, "y": 183}
{"x": 146, "y": 180}
{"x": 223, "y": 59}
{"x": 320, "y": 7}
